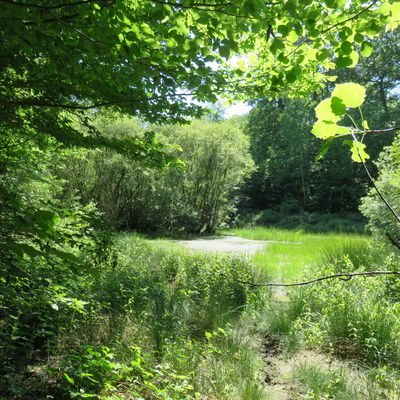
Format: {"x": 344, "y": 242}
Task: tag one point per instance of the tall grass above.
{"x": 318, "y": 382}
{"x": 357, "y": 319}
{"x": 172, "y": 329}
{"x": 292, "y": 253}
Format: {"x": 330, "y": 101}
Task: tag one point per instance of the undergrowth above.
{"x": 157, "y": 323}
{"x": 355, "y": 319}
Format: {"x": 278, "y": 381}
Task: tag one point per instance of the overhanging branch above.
{"x": 343, "y": 276}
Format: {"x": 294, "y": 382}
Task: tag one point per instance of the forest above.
{"x": 152, "y": 247}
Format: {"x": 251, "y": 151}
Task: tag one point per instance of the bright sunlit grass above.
{"x": 298, "y": 251}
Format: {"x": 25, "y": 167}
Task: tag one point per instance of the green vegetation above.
{"x": 198, "y": 197}
{"x": 156, "y": 322}
{"x": 298, "y": 251}
{"x": 357, "y": 320}
{"x": 105, "y": 128}
{"x": 318, "y": 383}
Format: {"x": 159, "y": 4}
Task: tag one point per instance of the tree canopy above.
{"x": 150, "y": 57}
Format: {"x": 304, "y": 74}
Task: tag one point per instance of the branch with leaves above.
{"x": 329, "y": 112}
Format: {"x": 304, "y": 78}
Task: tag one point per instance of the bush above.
{"x": 176, "y": 292}
{"x": 133, "y": 197}
{"x": 381, "y": 220}
{"x": 357, "y": 318}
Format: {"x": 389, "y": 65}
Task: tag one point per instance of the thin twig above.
{"x": 373, "y": 181}
{"x": 47, "y": 7}
{"x": 329, "y": 28}
{"x": 343, "y": 276}
{"x": 393, "y": 240}
{"x": 388, "y": 130}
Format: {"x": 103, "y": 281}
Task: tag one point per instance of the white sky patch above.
{"x": 237, "y": 109}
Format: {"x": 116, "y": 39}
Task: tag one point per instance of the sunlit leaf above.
{"x": 352, "y": 94}
{"x": 357, "y": 150}
{"x": 366, "y": 49}
{"x": 324, "y": 111}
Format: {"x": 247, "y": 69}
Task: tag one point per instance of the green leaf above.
{"x": 69, "y": 379}
{"x": 366, "y": 49}
{"x": 324, "y": 111}
{"x": 338, "y": 107}
{"x": 352, "y": 94}
{"x": 323, "y": 55}
{"x": 276, "y": 45}
{"x": 291, "y": 76}
{"x": 323, "y": 150}
{"x": 344, "y": 61}
{"x": 346, "y": 48}
{"x": 324, "y": 130}
{"x": 358, "y": 37}
{"x": 54, "y": 306}
{"x": 224, "y": 51}
{"x": 283, "y": 29}
{"x": 357, "y": 150}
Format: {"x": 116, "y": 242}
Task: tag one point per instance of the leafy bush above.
{"x": 176, "y": 291}
{"x": 357, "y": 318}
{"x": 49, "y": 259}
{"x": 131, "y": 196}
{"x": 381, "y": 220}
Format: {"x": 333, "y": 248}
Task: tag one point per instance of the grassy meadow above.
{"x": 292, "y": 253}
{"x": 171, "y": 323}
{"x": 353, "y": 324}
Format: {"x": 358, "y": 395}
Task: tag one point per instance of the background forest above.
{"x": 107, "y": 140}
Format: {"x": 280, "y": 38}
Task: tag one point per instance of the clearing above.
{"x": 226, "y": 244}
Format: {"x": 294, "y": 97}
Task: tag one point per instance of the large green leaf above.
{"x": 352, "y": 94}
{"x": 324, "y": 111}
{"x": 324, "y": 130}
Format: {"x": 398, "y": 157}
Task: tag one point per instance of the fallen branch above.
{"x": 344, "y": 276}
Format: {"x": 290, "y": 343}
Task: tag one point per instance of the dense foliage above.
{"x": 381, "y": 220}
{"x": 287, "y": 178}
{"x": 72, "y": 309}
{"x": 146, "y": 314}
{"x": 198, "y": 197}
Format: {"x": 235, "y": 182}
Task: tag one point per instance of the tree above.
{"x": 284, "y": 151}
{"x": 133, "y": 197}
{"x": 146, "y": 57}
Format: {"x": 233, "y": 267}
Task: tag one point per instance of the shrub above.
{"x": 357, "y": 318}
{"x": 132, "y": 196}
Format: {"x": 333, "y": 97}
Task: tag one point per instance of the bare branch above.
{"x": 388, "y": 130}
{"x": 372, "y": 180}
{"x": 44, "y": 7}
{"x": 77, "y": 106}
{"x": 344, "y": 276}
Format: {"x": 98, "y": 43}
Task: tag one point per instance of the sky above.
{"x": 237, "y": 109}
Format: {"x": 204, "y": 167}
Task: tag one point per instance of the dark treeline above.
{"x": 287, "y": 178}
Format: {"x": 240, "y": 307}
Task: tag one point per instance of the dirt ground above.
{"x": 226, "y": 244}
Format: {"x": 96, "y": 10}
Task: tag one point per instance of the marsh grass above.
{"x": 293, "y": 253}
{"x": 356, "y": 319}
{"x": 321, "y": 382}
